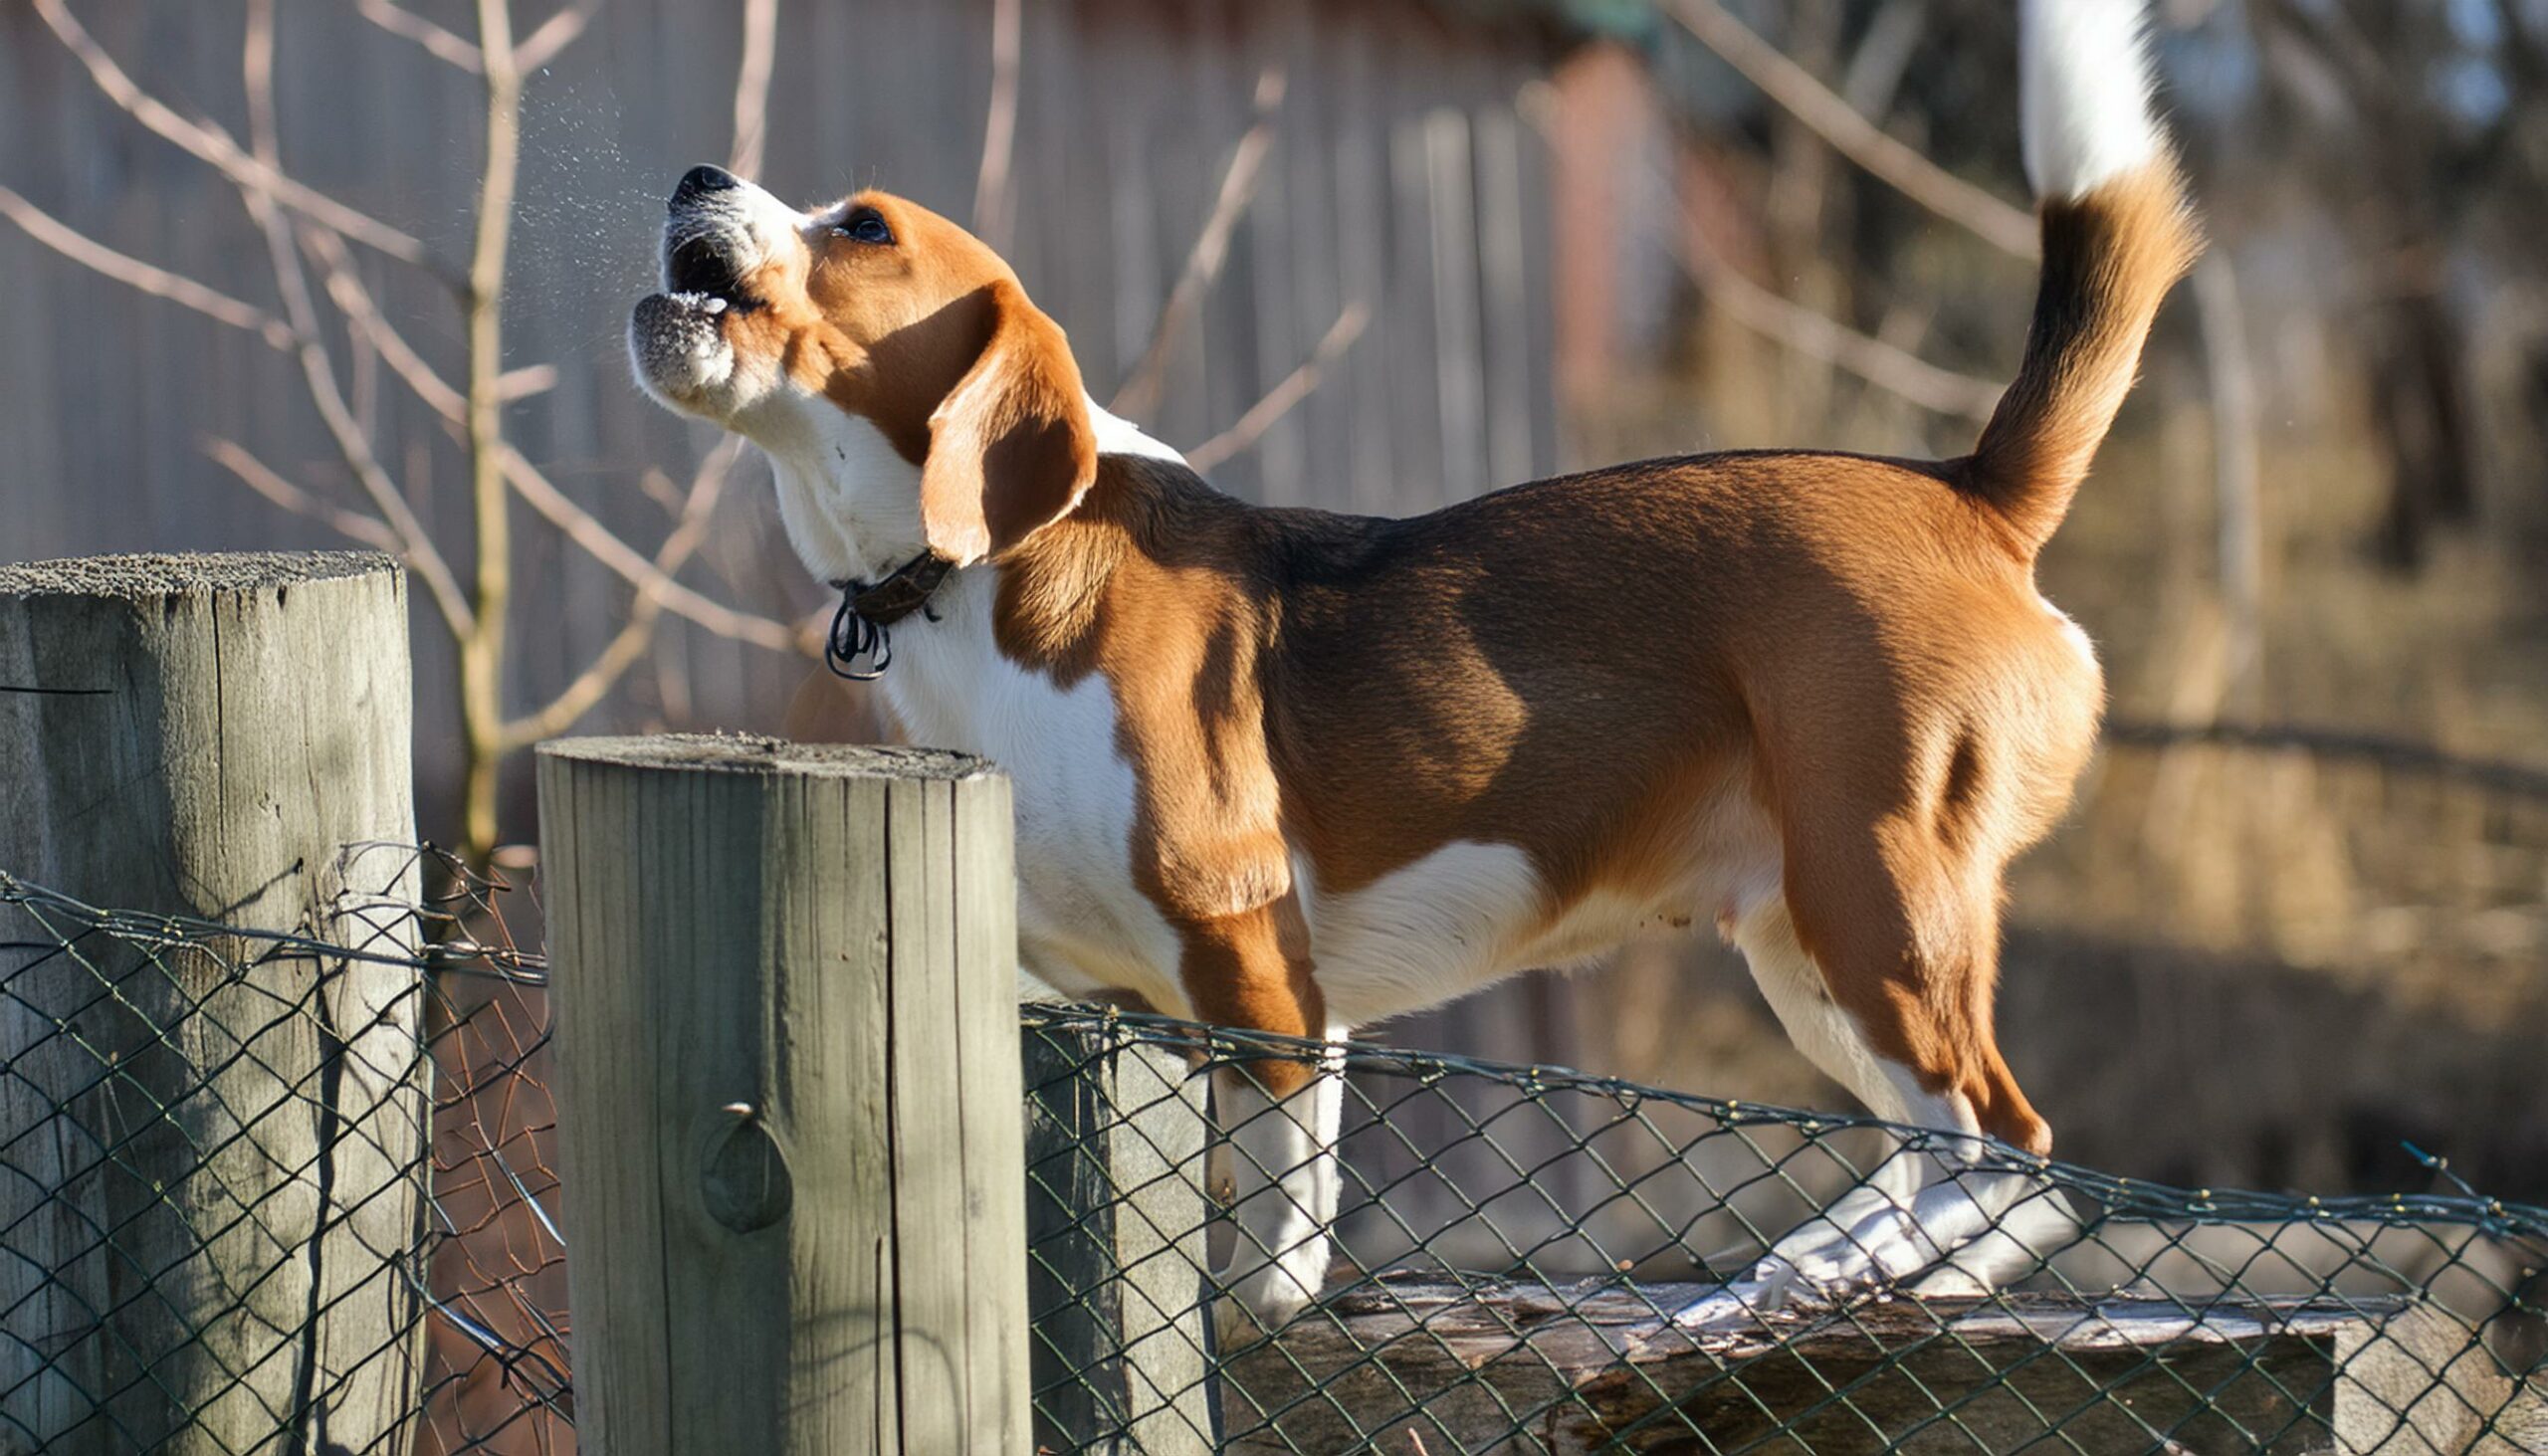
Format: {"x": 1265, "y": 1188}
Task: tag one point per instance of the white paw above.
{"x": 1962, "y": 1237}
{"x": 1745, "y": 1303}
{"x": 1258, "y": 1305}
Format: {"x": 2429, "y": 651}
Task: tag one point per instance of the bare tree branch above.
{"x": 258, "y": 477}
{"x": 1884, "y": 54}
{"x": 145, "y": 278}
{"x": 210, "y": 143}
{"x": 2008, "y": 228}
{"x": 999, "y": 130}
{"x": 1941, "y": 391}
{"x": 524, "y": 382}
{"x": 637, "y": 634}
{"x": 442, "y": 44}
{"x": 1141, "y": 388}
{"x": 1280, "y": 401}
{"x": 481, "y": 653}
{"x": 526, "y": 479}
{"x": 606, "y": 547}
{"x": 316, "y": 368}
{"x": 751, "y": 84}
{"x": 553, "y": 35}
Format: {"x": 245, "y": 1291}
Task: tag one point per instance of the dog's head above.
{"x": 875, "y": 347}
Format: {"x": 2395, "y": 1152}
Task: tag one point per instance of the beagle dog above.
{"x": 1297, "y": 772}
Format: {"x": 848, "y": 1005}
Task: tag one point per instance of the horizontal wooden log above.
{"x": 2421, "y": 1381}
{"x": 1430, "y": 1366}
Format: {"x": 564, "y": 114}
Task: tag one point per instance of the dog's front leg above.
{"x": 1284, "y": 1182}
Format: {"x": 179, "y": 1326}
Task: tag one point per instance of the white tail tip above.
{"x": 2084, "y": 89}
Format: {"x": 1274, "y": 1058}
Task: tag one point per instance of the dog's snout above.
{"x": 701, "y": 181}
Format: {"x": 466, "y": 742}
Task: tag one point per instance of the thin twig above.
{"x": 210, "y": 143}
{"x": 1280, "y": 401}
{"x": 1941, "y": 391}
{"x": 317, "y": 370}
{"x": 145, "y": 278}
{"x": 999, "y": 128}
{"x": 442, "y": 44}
{"x": 346, "y": 291}
{"x": 584, "y": 530}
{"x": 526, "y": 381}
{"x": 553, "y": 35}
{"x": 637, "y": 634}
{"x": 526, "y": 479}
{"x": 1204, "y": 262}
{"x": 752, "y": 85}
{"x": 260, "y": 477}
{"x": 481, "y": 654}
{"x": 2008, "y": 228}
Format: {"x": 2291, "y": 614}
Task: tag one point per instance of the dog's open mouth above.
{"x": 705, "y": 271}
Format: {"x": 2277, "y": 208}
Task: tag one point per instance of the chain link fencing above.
{"x": 214, "y": 1224}
{"x": 1512, "y": 1243}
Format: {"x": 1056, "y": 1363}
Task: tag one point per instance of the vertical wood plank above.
{"x": 1451, "y": 213}
{"x": 1504, "y": 226}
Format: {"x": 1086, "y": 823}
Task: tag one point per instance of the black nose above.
{"x": 700, "y": 181}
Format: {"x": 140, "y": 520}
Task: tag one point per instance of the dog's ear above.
{"x": 1010, "y": 449}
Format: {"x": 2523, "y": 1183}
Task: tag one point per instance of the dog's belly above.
{"x": 1454, "y": 919}
{"x": 1471, "y": 913}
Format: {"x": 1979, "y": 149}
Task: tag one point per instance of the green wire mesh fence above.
{"x": 1515, "y": 1242}
{"x": 186, "y": 1115}
{"x": 1512, "y": 1244}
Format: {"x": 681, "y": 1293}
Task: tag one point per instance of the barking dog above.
{"x": 1295, "y": 772}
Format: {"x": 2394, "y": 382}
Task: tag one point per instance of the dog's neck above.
{"x": 850, "y": 504}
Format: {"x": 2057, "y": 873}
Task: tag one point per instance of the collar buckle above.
{"x": 859, "y": 624}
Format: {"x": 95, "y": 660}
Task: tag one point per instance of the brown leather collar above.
{"x": 901, "y": 593}
{"x": 858, "y": 627}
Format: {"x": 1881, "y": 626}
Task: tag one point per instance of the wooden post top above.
{"x": 154, "y": 574}
{"x": 754, "y": 754}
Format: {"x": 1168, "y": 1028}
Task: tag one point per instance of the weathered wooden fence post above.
{"x": 788, "y": 1096}
{"x": 1116, "y": 1217}
{"x": 211, "y": 1153}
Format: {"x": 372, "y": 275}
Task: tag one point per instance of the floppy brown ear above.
{"x": 1010, "y": 448}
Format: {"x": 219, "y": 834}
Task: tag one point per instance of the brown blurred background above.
{"x": 2299, "y": 916}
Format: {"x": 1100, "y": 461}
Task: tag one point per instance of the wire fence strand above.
{"x": 1523, "y": 1258}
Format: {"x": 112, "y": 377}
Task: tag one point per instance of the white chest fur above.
{"x": 851, "y": 507}
{"x": 1083, "y": 926}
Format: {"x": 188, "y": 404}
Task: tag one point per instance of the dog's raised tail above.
{"x": 2117, "y": 235}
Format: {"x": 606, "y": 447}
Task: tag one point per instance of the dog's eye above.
{"x": 864, "y": 226}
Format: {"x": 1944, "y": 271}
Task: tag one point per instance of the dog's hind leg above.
{"x": 1881, "y": 959}
{"x": 1830, "y": 1038}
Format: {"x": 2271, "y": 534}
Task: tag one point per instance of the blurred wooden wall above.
{"x": 1405, "y": 174}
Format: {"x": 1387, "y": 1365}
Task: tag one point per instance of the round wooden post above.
{"x": 789, "y": 1105}
{"x": 212, "y": 1150}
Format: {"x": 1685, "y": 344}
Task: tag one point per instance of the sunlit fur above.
{"x": 1292, "y": 771}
